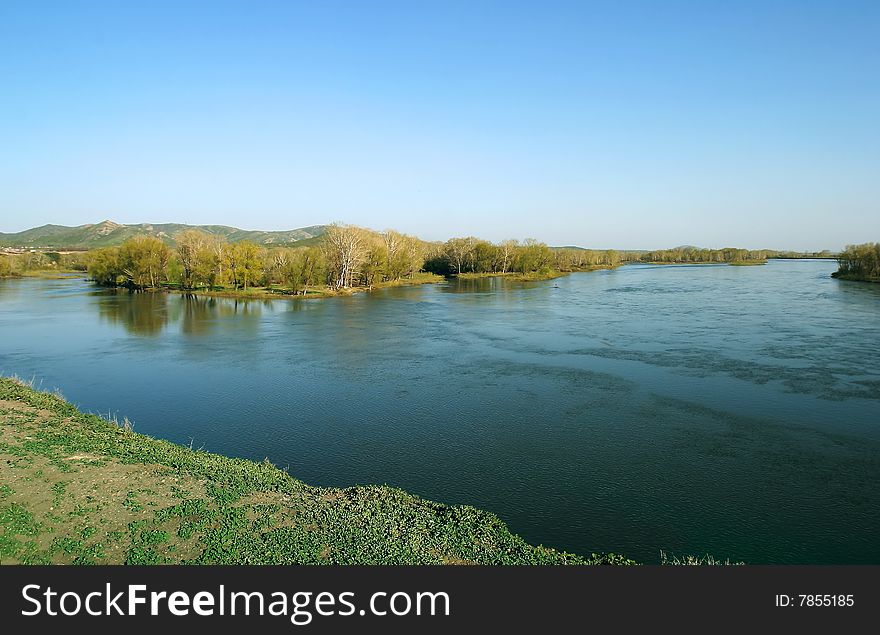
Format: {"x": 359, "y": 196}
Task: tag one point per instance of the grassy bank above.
{"x": 52, "y": 274}
{"x": 75, "y": 488}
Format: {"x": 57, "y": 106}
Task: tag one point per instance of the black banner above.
{"x": 437, "y": 599}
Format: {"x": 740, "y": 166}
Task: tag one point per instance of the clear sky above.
{"x": 617, "y": 124}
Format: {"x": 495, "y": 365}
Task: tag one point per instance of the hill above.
{"x": 109, "y": 234}
{"x": 76, "y": 488}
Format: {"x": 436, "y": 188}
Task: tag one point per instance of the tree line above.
{"x": 16, "y": 264}
{"x": 459, "y": 256}
{"x": 859, "y": 262}
{"x": 345, "y": 257}
{"x": 696, "y": 254}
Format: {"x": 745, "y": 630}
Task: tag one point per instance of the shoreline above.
{"x": 854, "y": 277}
{"x": 532, "y": 277}
{"x": 312, "y": 293}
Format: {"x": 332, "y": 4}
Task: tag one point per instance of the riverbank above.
{"x": 855, "y": 277}
{"x": 280, "y": 293}
{"x": 511, "y": 275}
{"x": 48, "y": 274}
{"x": 76, "y": 488}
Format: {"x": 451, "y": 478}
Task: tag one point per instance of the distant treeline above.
{"x": 695, "y": 254}
{"x": 797, "y": 255}
{"x": 15, "y": 264}
{"x": 472, "y": 255}
{"x": 859, "y": 262}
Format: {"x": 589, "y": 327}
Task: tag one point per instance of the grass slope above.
{"x": 109, "y": 234}
{"x": 75, "y": 488}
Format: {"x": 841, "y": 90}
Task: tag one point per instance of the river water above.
{"x": 696, "y": 409}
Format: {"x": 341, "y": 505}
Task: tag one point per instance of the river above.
{"x": 699, "y": 409}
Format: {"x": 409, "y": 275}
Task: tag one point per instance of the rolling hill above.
{"x": 108, "y": 234}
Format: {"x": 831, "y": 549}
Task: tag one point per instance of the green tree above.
{"x": 860, "y": 261}
{"x": 533, "y": 256}
{"x": 191, "y": 244}
{"x": 103, "y": 266}
{"x": 244, "y": 264}
{"x": 143, "y": 262}
{"x": 5, "y": 266}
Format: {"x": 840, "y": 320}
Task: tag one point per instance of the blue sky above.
{"x": 618, "y": 124}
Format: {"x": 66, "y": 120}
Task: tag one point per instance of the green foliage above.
{"x": 531, "y": 259}
{"x": 16, "y": 519}
{"x": 296, "y": 269}
{"x": 697, "y": 255}
{"x": 190, "y": 244}
{"x": 139, "y": 263}
{"x": 533, "y": 256}
{"x": 570, "y": 259}
{"x": 143, "y": 262}
{"x": 859, "y": 262}
{"x": 103, "y": 266}
{"x": 77, "y": 261}
{"x": 244, "y": 264}
{"x": 15, "y": 264}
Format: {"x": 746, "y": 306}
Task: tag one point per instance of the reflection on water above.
{"x": 146, "y": 313}
{"x": 196, "y": 313}
{"x": 138, "y": 313}
{"x": 728, "y": 410}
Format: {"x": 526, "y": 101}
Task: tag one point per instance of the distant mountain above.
{"x": 108, "y": 234}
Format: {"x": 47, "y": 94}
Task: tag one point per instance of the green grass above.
{"x": 76, "y": 488}
{"x": 52, "y": 274}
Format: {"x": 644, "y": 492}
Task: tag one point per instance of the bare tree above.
{"x": 507, "y": 250}
{"x": 345, "y": 248}
{"x": 459, "y": 251}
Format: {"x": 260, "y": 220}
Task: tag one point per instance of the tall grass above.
{"x": 668, "y": 559}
